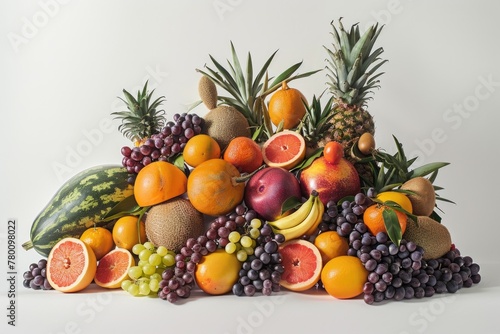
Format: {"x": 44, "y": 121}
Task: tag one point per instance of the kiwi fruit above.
{"x": 423, "y": 200}
{"x": 171, "y": 223}
{"x": 208, "y": 92}
{"x": 225, "y": 123}
{"x": 432, "y": 236}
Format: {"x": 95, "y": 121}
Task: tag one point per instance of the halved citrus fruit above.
{"x": 302, "y": 262}
{"x": 285, "y": 149}
{"x": 71, "y": 265}
{"x": 113, "y": 268}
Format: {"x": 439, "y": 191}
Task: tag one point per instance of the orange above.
{"x": 215, "y": 187}
{"x": 285, "y": 149}
{"x": 397, "y": 197}
{"x": 331, "y": 245}
{"x": 71, "y": 265}
{"x": 157, "y": 182}
{"x": 374, "y": 219}
{"x": 200, "y": 148}
{"x": 217, "y": 272}
{"x": 302, "y": 264}
{"x": 113, "y": 268}
{"x": 99, "y": 239}
{"x": 344, "y": 276}
{"x": 287, "y": 105}
{"x": 125, "y": 233}
{"x": 244, "y": 153}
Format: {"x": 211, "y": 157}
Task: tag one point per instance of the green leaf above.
{"x": 392, "y": 226}
{"x": 127, "y": 206}
{"x": 307, "y": 162}
{"x": 290, "y": 203}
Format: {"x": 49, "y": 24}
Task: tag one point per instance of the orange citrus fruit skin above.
{"x": 287, "y": 105}
{"x": 244, "y": 153}
{"x": 113, "y": 268}
{"x": 397, "y": 197}
{"x": 344, "y": 276}
{"x": 330, "y": 244}
{"x": 285, "y": 149}
{"x": 212, "y": 187}
{"x": 99, "y": 239}
{"x": 217, "y": 272}
{"x": 200, "y": 148}
{"x": 125, "y": 234}
{"x": 302, "y": 262}
{"x": 374, "y": 219}
{"x": 71, "y": 265}
{"x": 157, "y": 182}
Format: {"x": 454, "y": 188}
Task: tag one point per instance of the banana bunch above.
{"x": 304, "y": 221}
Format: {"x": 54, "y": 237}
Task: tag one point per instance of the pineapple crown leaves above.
{"x": 352, "y": 65}
{"x": 142, "y": 119}
{"x": 247, "y": 92}
{"x": 390, "y": 171}
{"x": 316, "y": 120}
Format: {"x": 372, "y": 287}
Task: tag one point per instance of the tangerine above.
{"x": 285, "y": 149}
{"x": 157, "y": 182}
{"x": 331, "y": 245}
{"x": 287, "y": 105}
{"x": 200, "y": 148}
{"x": 99, "y": 239}
{"x": 71, "y": 265}
{"x": 244, "y": 153}
{"x": 113, "y": 268}
{"x": 344, "y": 276}
{"x": 215, "y": 187}
{"x": 217, "y": 272}
{"x": 397, "y": 197}
{"x": 373, "y": 217}
{"x": 125, "y": 232}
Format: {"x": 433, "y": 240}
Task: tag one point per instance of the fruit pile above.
{"x": 266, "y": 191}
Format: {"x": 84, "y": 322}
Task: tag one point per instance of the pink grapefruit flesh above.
{"x": 285, "y": 149}
{"x": 302, "y": 262}
{"x": 113, "y": 268}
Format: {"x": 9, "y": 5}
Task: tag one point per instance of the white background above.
{"x": 64, "y": 64}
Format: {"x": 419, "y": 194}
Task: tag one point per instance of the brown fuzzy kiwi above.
{"x": 424, "y": 199}
{"x": 432, "y": 236}
{"x": 171, "y": 223}
{"x": 225, "y": 123}
{"x": 208, "y": 92}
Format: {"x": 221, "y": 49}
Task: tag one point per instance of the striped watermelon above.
{"x": 79, "y": 204}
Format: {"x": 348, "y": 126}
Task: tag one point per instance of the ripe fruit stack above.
{"x": 247, "y": 199}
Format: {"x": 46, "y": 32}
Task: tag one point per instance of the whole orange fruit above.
{"x": 396, "y": 197}
{"x": 374, "y": 219}
{"x": 244, "y": 153}
{"x": 126, "y": 234}
{"x": 200, "y": 148}
{"x": 99, "y": 239}
{"x": 217, "y": 272}
{"x": 331, "y": 245}
{"x": 157, "y": 182}
{"x": 287, "y": 105}
{"x": 344, "y": 276}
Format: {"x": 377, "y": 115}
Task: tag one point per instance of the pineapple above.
{"x": 248, "y": 93}
{"x": 142, "y": 119}
{"x": 352, "y": 68}
{"x": 316, "y": 121}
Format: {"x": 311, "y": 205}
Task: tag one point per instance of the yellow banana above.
{"x": 296, "y": 217}
{"x": 302, "y": 228}
{"x": 321, "y": 208}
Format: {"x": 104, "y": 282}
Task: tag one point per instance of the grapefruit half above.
{"x": 71, "y": 265}
{"x": 113, "y": 268}
{"x": 302, "y": 262}
{"x": 285, "y": 149}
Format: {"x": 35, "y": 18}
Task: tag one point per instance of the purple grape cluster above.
{"x": 36, "y": 277}
{"x": 177, "y": 282}
{"x": 261, "y": 271}
{"x": 164, "y": 145}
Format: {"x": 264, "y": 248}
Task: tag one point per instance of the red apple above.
{"x": 331, "y": 181}
{"x": 268, "y": 189}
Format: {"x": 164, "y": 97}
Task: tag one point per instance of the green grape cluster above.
{"x": 243, "y": 243}
{"x": 145, "y": 277}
